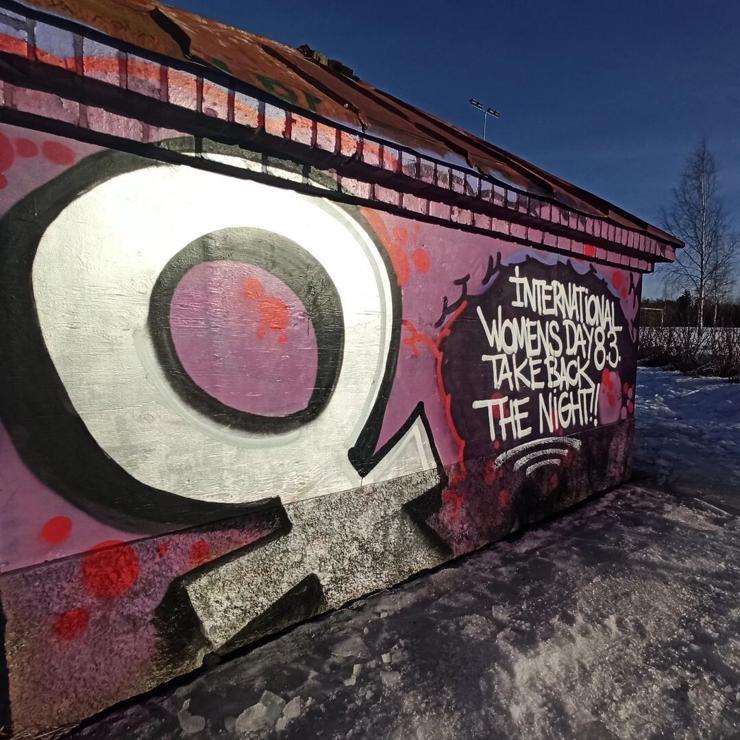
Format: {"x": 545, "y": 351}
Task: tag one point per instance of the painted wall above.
{"x": 227, "y": 406}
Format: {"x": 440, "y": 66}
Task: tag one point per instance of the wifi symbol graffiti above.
{"x": 539, "y": 453}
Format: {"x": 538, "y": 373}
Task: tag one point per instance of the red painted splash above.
{"x": 162, "y": 548}
{"x": 274, "y": 314}
{"x": 610, "y": 387}
{"x": 399, "y": 243}
{"x": 444, "y": 395}
{"x": 200, "y": 552}
{"x": 7, "y": 157}
{"x": 421, "y": 259}
{"x": 397, "y": 252}
{"x": 500, "y": 410}
{"x": 490, "y": 472}
{"x": 56, "y": 530}
{"x": 452, "y": 503}
{"x": 57, "y": 153}
{"x": 610, "y": 397}
{"x": 393, "y": 244}
{"x": 71, "y": 624}
{"x": 273, "y": 311}
{"x": 26, "y": 147}
{"x": 400, "y": 263}
{"x": 110, "y": 569}
{"x": 621, "y": 283}
{"x": 415, "y": 338}
{"x": 589, "y": 250}
{"x": 54, "y": 151}
{"x": 253, "y": 288}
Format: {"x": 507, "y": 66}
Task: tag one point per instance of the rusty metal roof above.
{"x": 320, "y": 90}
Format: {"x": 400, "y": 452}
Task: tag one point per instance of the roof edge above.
{"x": 227, "y": 110}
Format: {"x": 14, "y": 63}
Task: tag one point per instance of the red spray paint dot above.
{"x": 421, "y": 260}
{"x": 200, "y": 551}
{"x": 56, "y": 530}
{"x": 610, "y": 386}
{"x": 7, "y": 157}
{"x": 589, "y": 250}
{"x": 274, "y": 313}
{"x": 452, "y": 501}
{"x": 26, "y": 147}
{"x": 457, "y": 476}
{"x": 110, "y": 568}
{"x": 7, "y": 154}
{"x": 162, "y": 548}
{"x": 400, "y": 264}
{"x": 490, "y": 472}
{"x": 400, "y": 234}
{"x": 253, "y": 288}
{"x": 71, "y": 624}
{"x": 57, "y": 153}
{"x": 398, "y": 255}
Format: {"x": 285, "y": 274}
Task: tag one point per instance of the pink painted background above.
{"x": 247, "y": 309}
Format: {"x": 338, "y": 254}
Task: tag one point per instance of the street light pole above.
{"x": 486, "y": 112}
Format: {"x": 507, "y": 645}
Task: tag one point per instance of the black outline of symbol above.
{"x": 301, "y": 272}
{"x": 47, "y": 433}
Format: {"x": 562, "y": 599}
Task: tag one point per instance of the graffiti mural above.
{"x": 552, "y": 343}
{"x": 228, "y": 406}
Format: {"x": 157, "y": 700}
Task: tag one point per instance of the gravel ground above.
{"x": 620, "y": 619}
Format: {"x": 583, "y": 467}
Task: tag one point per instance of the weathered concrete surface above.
{"x": 620, "y": 620}
{"x": 348, "y": 543}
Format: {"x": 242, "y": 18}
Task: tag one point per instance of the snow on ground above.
{"x": 688, "y": 434}
{"x": 620, "y": 619}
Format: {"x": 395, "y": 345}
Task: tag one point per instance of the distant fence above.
{"x": 714, "y": 351}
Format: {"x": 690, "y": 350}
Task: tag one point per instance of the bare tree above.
{"x": 705, "y": 266}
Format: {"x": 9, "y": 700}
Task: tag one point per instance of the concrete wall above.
{"x": 227, "y": 406}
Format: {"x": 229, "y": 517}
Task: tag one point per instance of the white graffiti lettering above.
{"x": 553, "y": 357}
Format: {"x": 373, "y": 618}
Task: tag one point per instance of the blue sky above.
{"x": 611, "y": 96}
